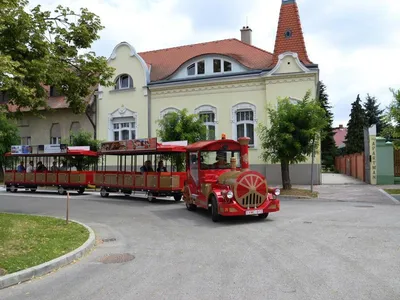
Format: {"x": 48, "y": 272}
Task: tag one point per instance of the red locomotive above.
{"x": 216, "y": 182}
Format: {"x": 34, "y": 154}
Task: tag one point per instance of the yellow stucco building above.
{"x": 229, "y": 82}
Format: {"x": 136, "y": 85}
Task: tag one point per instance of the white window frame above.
{"x": 26, "y": 139}
{"x": 168, "y": 110}
{"x": 122, "y": 115}
{"x": 222, "y": 65}
{"x": 55, "y": 140}
{"x": 196, "y": 66}
{"x": 120, "y": 129}
{"x": 244, "y": 106}
{"x": 204, "y": 109}
{"x": 117, "y": 82}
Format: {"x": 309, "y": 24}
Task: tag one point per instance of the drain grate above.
{"x": 109, "y": 240}
{"x": 116, "y": 258}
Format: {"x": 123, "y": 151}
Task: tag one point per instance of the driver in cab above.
{"x": 221, "y": 162}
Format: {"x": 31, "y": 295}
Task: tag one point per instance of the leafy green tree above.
{"x": 42, "y": 48}
{"x": 9, "y": 136}
{"x": 354, "y": 139}
{"x": 328, "y": 146}
{"x": 181, "y": 126}
{"x": 374, "y": 115}
{"x": 83, "y": 138}
{"x": 392, "y": 119}
{"x": 294, "y": 131}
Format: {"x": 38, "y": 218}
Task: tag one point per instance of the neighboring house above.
{"x": 340, "y": 136}
{"x": 56, "y": 123}
{"x": 229, "y": 82}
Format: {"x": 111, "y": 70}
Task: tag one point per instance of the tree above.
{"x": 392, "y": 119}
{"x": 294, "y": 129}
{"x": 354, "y": 139}
{"x": 328, "y": 146}
{"x": 373, "y": 114}
{"x": 42, "y": 48}
{"x": 181, "y": 126}
{"x": 8, "y": 136}
{"x": 83, "y": 138}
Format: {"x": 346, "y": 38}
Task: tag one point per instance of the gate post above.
{"x": 367, "y": 167}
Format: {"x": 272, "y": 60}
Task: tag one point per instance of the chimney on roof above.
{"x": 340, "y": 126}
{"x": 246, "y": 34}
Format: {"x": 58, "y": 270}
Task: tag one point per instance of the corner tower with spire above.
{"x": 289, "y": 36}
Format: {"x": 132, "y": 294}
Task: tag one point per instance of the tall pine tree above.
{"x": 373, "y": 114}
{"x": 355, "y": 128}
{"x": 328, "y": 146}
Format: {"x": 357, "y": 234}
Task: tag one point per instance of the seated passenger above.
{"x": 54, "y": 167}
{"x": 40, "y": 167}
{"x": 63, "y": 166}
{"x": 30, "y": 168}
{"x": 21, "y": 167}
{"x": 161, "y": 167}
{"x": 147, "y": 167}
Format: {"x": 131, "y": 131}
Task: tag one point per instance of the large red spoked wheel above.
{"x": 250, "y": 189}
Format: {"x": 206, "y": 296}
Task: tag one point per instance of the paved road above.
{"x": 310, "y": 250}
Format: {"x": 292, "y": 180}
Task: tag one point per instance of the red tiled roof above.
{"x": 165, "y": 62}
{"x": 58, "y": 102}
{"x": 340, "y": 136}
{"x": 289, "y": 19}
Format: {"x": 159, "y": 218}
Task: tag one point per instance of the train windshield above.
{"x": 214, "y": 160}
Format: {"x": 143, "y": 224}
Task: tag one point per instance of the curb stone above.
{"x": 297, "y": 197}
{"x": 47, "y": 267}
{"x": 390, "y": 196}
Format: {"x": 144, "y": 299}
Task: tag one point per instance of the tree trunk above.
{"x": 285, "y": 175}
{"x": 1, "y": 173}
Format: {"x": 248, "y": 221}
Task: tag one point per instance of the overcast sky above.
{"x": 356, "y": 43}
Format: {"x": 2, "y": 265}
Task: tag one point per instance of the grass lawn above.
{"x": 392, "y": 191}
{"x": 299, "y": 192}
{"x": 27, "y": 241}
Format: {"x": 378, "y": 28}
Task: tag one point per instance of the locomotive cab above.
{"x": 219, "y": 179}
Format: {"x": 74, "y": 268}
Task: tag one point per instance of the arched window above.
{"x": 75, "y": 127}
{"x": 55, "y": 134}
{"x": 244, "y": 121}
{"x": 208, "y": 114}
{"x": 168, "y": 110}
{"x": 197, "y": 68}
{"x": 123, "y": 81}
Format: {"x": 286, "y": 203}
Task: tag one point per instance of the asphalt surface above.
{"x": 312, "y": 249}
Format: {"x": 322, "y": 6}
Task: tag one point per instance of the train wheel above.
{"x": 178, "y": 197}
{"x": 13, "y": 189}
{"x": 150, "y": 197}
{"x": 215, "y": 216}
{"x": 81, "y": 191}
{"x": 104, "y": 193}
{"x": 33, "y": 190}
{"x": 61, "y": 191}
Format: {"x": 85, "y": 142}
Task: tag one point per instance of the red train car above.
{"x": 217, "y": 183}
{"x": 67, "y": 168}
{"x": 142, "y": 165}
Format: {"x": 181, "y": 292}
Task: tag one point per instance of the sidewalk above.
{"x": 346, "y": 188}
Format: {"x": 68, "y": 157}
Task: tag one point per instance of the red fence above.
{"x": 352, "y": 165}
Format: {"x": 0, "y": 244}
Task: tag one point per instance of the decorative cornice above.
{"x": 213, "y": 88}
{"x": 295, "y": 56}
{"x": 290, "y": 80}
{"x": 122, "y": 112}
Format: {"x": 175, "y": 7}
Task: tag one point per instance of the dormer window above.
{"x": 123, "y": 82}
{"x": 198, "y": 68}
{"x": 218, "y": 63}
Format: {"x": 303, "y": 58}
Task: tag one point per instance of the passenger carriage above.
{"x": 61, "y": 166}
{"x": 219, "y": 179}
{"x": 132, "y": 166}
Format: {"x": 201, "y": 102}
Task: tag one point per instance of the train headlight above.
{"x": 277, "y": 192}
{"x": 229, "y": 195}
